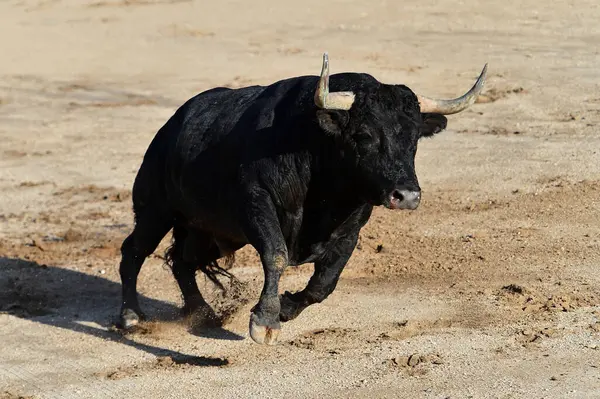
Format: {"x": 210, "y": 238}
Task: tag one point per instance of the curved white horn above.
{"x": 447, "y": 107}
{"x": 341, "y": 100}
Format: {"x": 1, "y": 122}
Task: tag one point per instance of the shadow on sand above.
{"x": 68, "y": 299}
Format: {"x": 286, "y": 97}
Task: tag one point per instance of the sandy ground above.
{"x": 491, "y": 289}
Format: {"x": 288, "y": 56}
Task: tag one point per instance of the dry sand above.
{"x": 491, "y": 289}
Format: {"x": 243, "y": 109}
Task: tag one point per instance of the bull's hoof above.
{"x": 263, "y": 334}
{"x": 130, "y": 318}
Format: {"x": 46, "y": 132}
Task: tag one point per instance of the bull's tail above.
{"x": 212, "y": 270}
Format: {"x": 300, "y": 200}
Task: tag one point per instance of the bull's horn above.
{"x": 342, "y": 100}
{"x": 447, "y": 107}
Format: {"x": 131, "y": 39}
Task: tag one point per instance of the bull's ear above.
{"x": 333, "y": 121}
{"x": 432, "y": 124}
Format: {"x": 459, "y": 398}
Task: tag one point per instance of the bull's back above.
{"x": 200, "y": 123}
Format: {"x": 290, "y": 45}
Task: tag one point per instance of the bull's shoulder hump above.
{"x": 220, "y": 99}
{"x": 225, "y": 92}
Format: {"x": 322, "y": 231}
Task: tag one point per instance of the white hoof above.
{"x": 262, "y": 334}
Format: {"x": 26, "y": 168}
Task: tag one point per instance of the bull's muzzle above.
{"x": 405, "y": 199}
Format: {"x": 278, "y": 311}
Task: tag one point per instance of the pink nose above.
{"x": 405, "y": 199}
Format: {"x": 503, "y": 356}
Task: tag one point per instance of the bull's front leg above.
{"x": 323, "y": 281}
{"x": 264, "y": 233}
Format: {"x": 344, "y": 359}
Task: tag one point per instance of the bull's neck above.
{"x": 333, "y": 177}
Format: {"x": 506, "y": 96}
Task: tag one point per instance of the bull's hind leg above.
{"x": 149, "y": 230}
{"x": 191, "y": 249}
{"x": 323, "y": 281}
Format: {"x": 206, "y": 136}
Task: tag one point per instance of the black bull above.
{"x": 290, "y": 168}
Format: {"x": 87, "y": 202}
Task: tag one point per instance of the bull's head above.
{"x": 379, "y": 126}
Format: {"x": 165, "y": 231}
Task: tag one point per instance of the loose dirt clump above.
{"x": 324, "y": 339}
{"x": 529, "y": 336}
{"x": 410, "y": 328}
{"x": 535, "y": 301}
{"x": 10, "y": 395}
{"x": 415, "y": 364}
{"x": 177, "y": 362}
{"x": 494, "y": 94}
